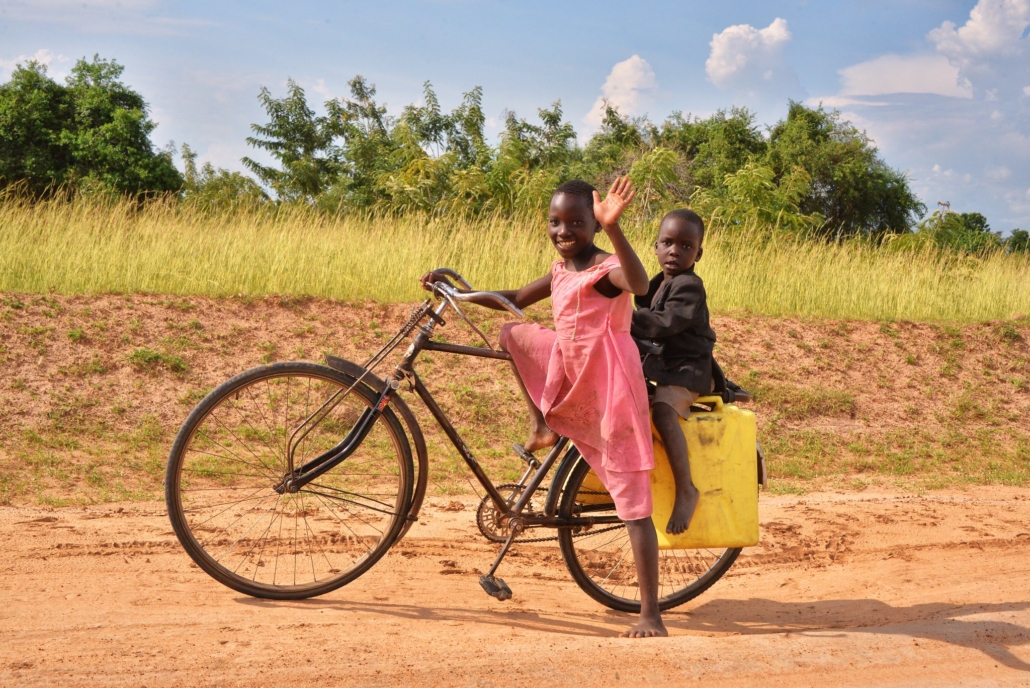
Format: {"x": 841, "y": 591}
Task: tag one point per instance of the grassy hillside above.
{"x": 98, "y": 385}
{"x": 81, "y": 248}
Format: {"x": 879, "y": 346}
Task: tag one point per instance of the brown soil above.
{"x": 845, "y": 589}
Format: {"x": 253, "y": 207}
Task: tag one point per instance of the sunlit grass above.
{"x": 83, "y": 248}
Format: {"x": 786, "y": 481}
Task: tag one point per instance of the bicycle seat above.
{"x": 646, "y": 347}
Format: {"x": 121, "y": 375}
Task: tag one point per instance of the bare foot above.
{"x": 539, "y": 438}
{"x": 683, "y": 510}
{"x": 646, "y": 628}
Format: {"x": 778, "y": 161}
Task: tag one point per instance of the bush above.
{"x": 148, "y": 359}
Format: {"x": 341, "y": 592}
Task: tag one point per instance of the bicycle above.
{"x": 292, "y": 479}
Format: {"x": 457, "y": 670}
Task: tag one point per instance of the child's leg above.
{"x": 540, "y": 435}
{"x": 667, "y": 422}
{"x": 523, "y": 345}
{"x": 631, "y": 492}
{"x": 645, "y": 551}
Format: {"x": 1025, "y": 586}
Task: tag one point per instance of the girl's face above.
{"x": 571, "y": 224}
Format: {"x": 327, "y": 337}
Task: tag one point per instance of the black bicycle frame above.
{"x": 326, "y": 461}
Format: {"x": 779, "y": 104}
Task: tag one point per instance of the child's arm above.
{"x": 630, "y": 275}
{"x": 678, "y": 312}
{"x": 537, "y": 290}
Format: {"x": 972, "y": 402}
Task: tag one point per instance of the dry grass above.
{"x": 81, "y": 248}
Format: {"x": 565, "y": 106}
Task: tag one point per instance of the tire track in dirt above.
{"x": 844, "y": 589}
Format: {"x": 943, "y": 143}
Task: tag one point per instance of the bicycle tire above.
{"x": 361, "y": 503}
{"x": 588, "y": 557}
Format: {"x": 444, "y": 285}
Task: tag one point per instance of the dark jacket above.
{"x": 674, "y": 314}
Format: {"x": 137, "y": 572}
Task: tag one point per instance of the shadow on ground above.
{"x": 826, "y": 618}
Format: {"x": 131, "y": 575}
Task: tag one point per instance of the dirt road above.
{"x": 846, "y": 589}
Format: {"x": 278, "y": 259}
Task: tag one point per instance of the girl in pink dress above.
{"x": 584, "y": 379}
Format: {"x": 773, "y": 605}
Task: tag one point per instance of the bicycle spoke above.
{"x": 266, "y": 540}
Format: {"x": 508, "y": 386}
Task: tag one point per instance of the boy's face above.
{"x": 570, "y": 224}
{"x": 678, "y": 246}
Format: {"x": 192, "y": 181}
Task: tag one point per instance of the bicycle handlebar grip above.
{"x": 454, "y": 274}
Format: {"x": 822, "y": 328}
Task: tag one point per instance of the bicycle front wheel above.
{"x": 601, "y": 561}
{"x": 223, "y": 483}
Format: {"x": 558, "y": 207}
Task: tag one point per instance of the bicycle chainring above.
{"x": 492, "y": 523}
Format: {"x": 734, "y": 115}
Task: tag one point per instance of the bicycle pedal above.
{"x": 523, "y": 454}
{"x": 495, "y": 587}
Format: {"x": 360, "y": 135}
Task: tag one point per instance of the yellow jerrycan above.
{"x": 721, "y": 444}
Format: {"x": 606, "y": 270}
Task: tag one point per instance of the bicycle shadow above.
{"x": 565, "y": 624}
{"x": 936, "y": 621}
{"x": 940, "y": 622}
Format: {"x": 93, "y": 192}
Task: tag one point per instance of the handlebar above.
{"x": 470, "y": 296}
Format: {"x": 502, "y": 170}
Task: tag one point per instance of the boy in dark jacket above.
{"x": 674, "y": 315}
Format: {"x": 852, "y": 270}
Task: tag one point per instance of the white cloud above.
{"x": 989, "y": 49}
{"x": 995, "y": 27}
{"x": 904, "y": 74}
{"x": 321, "y": 89}
{"x": 140, "y": 17}
{"x": 44, "y": 56}
{"x": 842, "y": 102}
{"x": 972, "y": 142}
{"x": 629, "y": 87}
{"x": 743, "y": 55}
{"x": 999, "y": 174}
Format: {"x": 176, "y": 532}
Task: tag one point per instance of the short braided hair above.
{"x": 689, "y": 216}
{"x": 578, "y": 187}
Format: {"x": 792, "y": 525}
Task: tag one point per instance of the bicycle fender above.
{"x": 414, "y": 430}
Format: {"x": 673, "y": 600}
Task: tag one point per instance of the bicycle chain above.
{"x": 575, "y": 535}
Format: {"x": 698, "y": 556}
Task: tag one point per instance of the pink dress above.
{"x": 586, "y": 378}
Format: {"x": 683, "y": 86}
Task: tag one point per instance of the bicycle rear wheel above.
{"x": 601, "y": 561}
{"x": 231, "y": 454}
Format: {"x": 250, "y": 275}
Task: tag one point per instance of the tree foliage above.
{"x": 813, "y": 172}
{"x": 850, "y": 185}
{"x": 91, "y": 134}
{"x": 1018, "y": 241}
{"x": 218, "y": 189}
{"x": 944, "y": 229}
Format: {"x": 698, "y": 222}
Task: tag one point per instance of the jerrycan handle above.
{"x": 711, "y": 400}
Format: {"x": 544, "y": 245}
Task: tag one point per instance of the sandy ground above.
{"x": 845, "y": 589}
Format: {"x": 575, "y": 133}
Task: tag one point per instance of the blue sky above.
{"x": 942, "y": 86}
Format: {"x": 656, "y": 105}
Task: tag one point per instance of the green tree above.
{"x": 751, "y": 197}
{"x": 1018, "y": 241}
{"x": 967, "y": 232}
{"x": 218, "y": 189}
{"x": 716, "y": 146}
{"x": 366, "y": 148}
{"x": 851, "y": 186}
{"x": 34, "y": 110}
{"x": 617, "y": 144}
{"x": 110, "y": 135}
{"x": 302, "y": 142}
{"x": 93, "y": 133}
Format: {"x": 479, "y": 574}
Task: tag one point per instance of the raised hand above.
{"x": 611, "y": 208}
